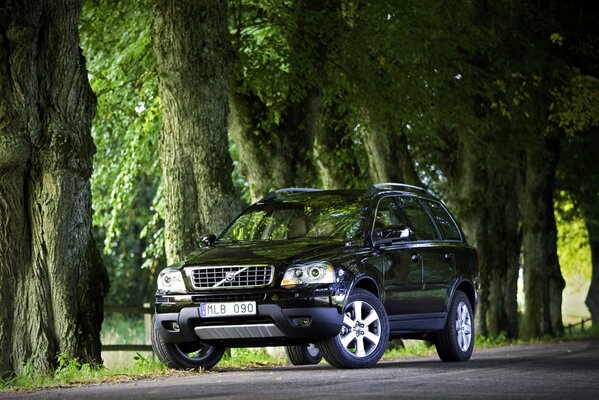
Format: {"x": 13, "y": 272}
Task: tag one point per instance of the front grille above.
{"x": 223, "y": 298}
{"x": 236, "y": 276}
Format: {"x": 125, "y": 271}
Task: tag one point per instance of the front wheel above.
{"x": 187, "y": 355}
{"x": 364, "y": 335}
{"x": 456, "y": 341}
{"x": 303, "y": 355}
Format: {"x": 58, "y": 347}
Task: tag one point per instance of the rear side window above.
{"x": 444, "y": 220}
{"x": 421, "y": 223}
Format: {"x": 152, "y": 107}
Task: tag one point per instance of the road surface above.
{"x": 568, "y": 370}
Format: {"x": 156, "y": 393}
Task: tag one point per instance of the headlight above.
{"x": 171, "y": 280}
{"x": 310, "y": 273}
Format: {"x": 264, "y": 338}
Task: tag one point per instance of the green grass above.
{"x": 73, "y": 372}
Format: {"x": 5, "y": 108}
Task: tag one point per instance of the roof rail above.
{"x": 296, "y": 189}
{"x": 272, "y": 195}
{"x": 377, "y": 186}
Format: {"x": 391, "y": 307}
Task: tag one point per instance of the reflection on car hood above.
{"x": 264, "y": 252}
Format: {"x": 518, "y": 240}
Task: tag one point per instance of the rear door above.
{"x": 439, "y": 265}
{"x": 435, "y": 255}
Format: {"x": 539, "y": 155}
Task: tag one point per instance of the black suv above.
{"x": 333, "y": 273}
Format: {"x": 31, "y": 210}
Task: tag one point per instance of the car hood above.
{"x": 265, "y": 252}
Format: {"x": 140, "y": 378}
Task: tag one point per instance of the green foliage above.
{"x": 485, "y": 341}
{"x": 117, "y": 43}
{"x": 411, "y": 348}
{"x": 576, "y": 108}
{"x": 573, "y": 241}
{"x": 119, "y": 328}
{"x": 71, "y": 371}
{"x": 244, "y": 357}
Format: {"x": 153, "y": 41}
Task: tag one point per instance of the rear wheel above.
{"x": 364, "y": 335}
{"x": 456, "y": 341}
{"x": 303, "y": 355}
{"x": 187, "y": 355}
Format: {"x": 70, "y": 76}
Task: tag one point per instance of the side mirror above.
{"x": 400, "y": 232}
{"x": 405, "y": 233}
{"x": 208, "y": 240}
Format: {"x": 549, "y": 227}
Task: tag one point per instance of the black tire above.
{"x": 370, "y": 332}
{"x": 456, "y": 341}
{"x": 303, "y": 355}
{"x": 187, "y": 355}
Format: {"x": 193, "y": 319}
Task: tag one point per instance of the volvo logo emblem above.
{"x": 230, "y": 276}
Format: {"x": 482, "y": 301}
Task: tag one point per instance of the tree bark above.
{"x": 52, "y": 281}
{"x": 591, "y": 218}
{"x": 191, "y": 42}
{"x": 481, "y": 195}
{"x": 276, "y": 154}
{"x": 389, "y": 157}
{"x": 280, "y": 156}
{"x": 335, "y": 153}
{"x": 543, "y": 282}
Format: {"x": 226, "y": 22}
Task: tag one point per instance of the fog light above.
{"x": 175, "y": 326}
{"x": 302, "y": 322}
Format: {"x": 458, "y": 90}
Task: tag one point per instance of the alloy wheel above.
{"x": 361, "y": 330}
{"x": 463, "y": 326}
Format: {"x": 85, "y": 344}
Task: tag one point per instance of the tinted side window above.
{"x": 421, "y": 223}
{"x": 445, "y": 222}
{"x": 388, "y": 218}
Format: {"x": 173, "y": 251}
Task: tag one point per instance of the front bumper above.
{"x": 291, "y": 321}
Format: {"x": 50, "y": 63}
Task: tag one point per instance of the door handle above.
{"x": 447, "y": 256}
{"x": 415, "y": 257}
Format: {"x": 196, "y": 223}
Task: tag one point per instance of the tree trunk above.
{"x": 481, "y": 195}
{"x": 543, "y": 282}
{"x": 327, "y": 147}
{"x": 503, "y": 250}
{"x": 336, "y": 155}
{"x": 191, "y": 42}
{"x": 278, "y": 153}
{"x": 52, "y": 281}
{"x": 591, "y": 218}
{"x": 277, "y": 157}
{"x": 389, "y": 157}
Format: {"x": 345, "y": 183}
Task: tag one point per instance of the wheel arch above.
{"x": 367, "y": 283}
{"x": 467, "y": 288}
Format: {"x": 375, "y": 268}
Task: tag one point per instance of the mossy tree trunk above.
{"x": 543, "y": 281}
{"x": 52, "y": 281}
{"x": 276, "y": 156}
{"x": 340, "y": 162}
{"x": 389, "y": 157}
{"x": 278, "y": 152}
{"x": 481, "y": 195}
{"x": 191, "y": 42}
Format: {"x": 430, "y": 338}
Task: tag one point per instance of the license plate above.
{"x": 209, "y": 310}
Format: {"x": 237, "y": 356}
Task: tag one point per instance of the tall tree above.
{"x": 52, "y": 282}
{"x": 191, "y": 42}
{"x": 576, "y": 111}
{"x": 543, "y": 282}
{"x": 278, "y": 88}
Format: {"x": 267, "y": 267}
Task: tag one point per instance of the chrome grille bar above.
{"x": 230, "y": 276}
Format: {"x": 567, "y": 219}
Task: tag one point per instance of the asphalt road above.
{"x": 550, "y": 371}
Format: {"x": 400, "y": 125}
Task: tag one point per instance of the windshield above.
{"x": 322, "y": 216}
